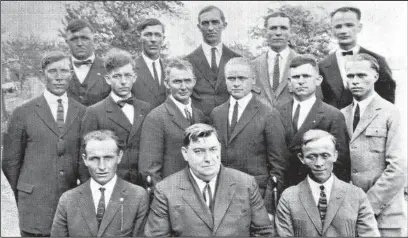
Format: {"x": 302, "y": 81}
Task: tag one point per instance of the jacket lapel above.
{"x": 370, "y": 113}
{"x": 306, "y": 198}
{"x": 226, "y": 55}
{"x": 223, "y": 118}
{"x": 248, "y": 113}
{"x": 336, "y": 198}
{"x": 334, "y": 76}
{"x": 44, "y": 112}
{"x": 147, "y": 79}
{"x": 137, "y": 118}
{"x": 203, "y": 67}
{"x": 72, "y": 114}
{"x": 116, "y": 115}
{"x": 264, "y": 76}
{"x": 177, "y": 117}
{"x": 90, "y": 78}
{"x": 87, "y": 208}
{"x": 348, "y": 115}
{"x": 285, "y": 75}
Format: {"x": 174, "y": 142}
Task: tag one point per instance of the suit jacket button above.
{"x": 61, "y": 172}
{"x": 354, "y": 171}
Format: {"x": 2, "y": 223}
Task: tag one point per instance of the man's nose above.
{"x": 102, "y": 164}
{"x": 319, "y": 161}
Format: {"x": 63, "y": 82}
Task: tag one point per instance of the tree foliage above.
{"x": 310, "y": 30}
{"x": 115, "y": 22}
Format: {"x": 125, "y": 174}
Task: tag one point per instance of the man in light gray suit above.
{"x": 378, "y": 165}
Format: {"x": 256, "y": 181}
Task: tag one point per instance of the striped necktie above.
{"x": 208, "y": 196}
{"x": 322, "y": 205}
{"x": 101, "y": 207}
{"x": 60, "y": 116}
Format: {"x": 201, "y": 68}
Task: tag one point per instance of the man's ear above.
{"x": 319, "y": 80}
{"x": 84, "y": 159}
{"x": 166, "y": 83}
{"x": 107, "y": 79}
{"x": 120, "y": 155}
{"x": 360, "y": 27}
{"x": 300, "y": 156}
{"x": 184, "y": 153}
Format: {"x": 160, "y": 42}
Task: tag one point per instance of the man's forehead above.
{"x": 63, "y": 63}
{"x": 238, "y": 69}
{"x": 203, "y": 142}
{"x": 345, "y": 16}
{"x": 82, "y": 32}
{"x": 176, "y": 73}
{"x": 213, "y": 14}
{"x": 278, "y": 21}
{"x": 303, "y": 69}
{"x": 358, "y": 66}
{"x": 322, "y": 144}
{"x": 153, "y": 28}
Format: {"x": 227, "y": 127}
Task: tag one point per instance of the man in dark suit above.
{"x": 105, "y": 205}
{"x": 304, "y": 112}
{"x": 252, "y": 133}
{"x": 149, "y": 86}
{"x": 206, "y": 198}
{"x": 346, "y": 25}
{"x": 87, "y": 85}
{"x": 323, "y": 205}
{"x": 208, "y": 61}
{"x": 120, "y": 112}
{"x": 41, "y": 148}
{"x": 163, "y": 129}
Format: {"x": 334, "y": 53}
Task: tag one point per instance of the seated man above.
{"x": 323, "y": 205}
{"x": 206, "y": 198}
{"x": 105, "y": 205}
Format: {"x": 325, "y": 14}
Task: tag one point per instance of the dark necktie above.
{"x": 322, "y": 205}
{"x": 188, "y": 115}
{"x": 208, "y": 196}
{"x": 356, "y": 117}
{"x": 213, "y": 61}
{"x": 344, "y": 53}
{"x": 156, "y": 77}
{"x": 122, "y": 103}
{"x": 234, "y": 119}
{"x": 101, "y": 207}
{"x": 296, "y": 119}
{"x": 60, "y": 116}
{"x": 80, "y": 63}
{"x": 276, "y": 74}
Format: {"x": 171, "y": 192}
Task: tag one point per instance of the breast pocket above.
{"x": 376, "y": 137}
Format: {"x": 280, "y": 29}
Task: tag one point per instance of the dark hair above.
{"x": 316, "y": 134}
{"x": 149, "y": 22}
{"x": 52, "y": 57}
{"x": 366, "y": 57}
{"x": 116, "y": 58}
{"x": 77, "y": 25}
{"x": 277, "y": 14}
{"x": 178, "y": 63}
{"x": 210, "y": 8}
{"x": 347, "y": 9}
{"x": 304, "y": 59}
{"x": 196, "y": 131}
{"x": 101, "y": 135}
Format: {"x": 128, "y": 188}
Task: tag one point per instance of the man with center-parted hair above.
{"x": 121, "y": 112}
{"x": 206, "y": 198}
{"x": 105, "y": 205}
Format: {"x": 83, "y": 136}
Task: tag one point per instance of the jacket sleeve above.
{"x": 283, "y": 217}
{"x": 366, "y": 224}
{"x": 338, "y": 129}
{"x": 158, "y": 221}
{"x": 60, "y": 224}
{"x": 141, "y": 215}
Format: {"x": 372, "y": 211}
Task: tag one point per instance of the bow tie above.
{"x": 122, "y": 103}
{"x": 80, "y": 63}
{"x": 344, "y": 53}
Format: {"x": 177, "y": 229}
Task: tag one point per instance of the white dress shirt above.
{"x": 127, "y": 109}
{"x": 149, "y": 63}
{"x": 52, "y": 101}
{"x": 341, "y": 61}
{"x": 182, "y": 106}
{"x": 201, "y": 185}
{"x": 363, "y": 104}
{"x": 96, "y": 193}
{"x": 207, "y": 53}
{"x": 305, "y": 107}
{"x": 315, "y": 187}
{"x": 83, "y": 70}
{"x": 283, "y": 58}
{"x": 242, "y": 103}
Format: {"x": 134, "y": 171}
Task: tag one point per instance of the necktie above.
{"x": 322, "y": 205}
{"x": 276, "y": 74}
{"x": 60, "y": 115}
{"x": 356, "y": 117}
{"x": 213, "y": 61}
{"x": 234, "y": 119}
{"x": 344, "y": 53}
{"x": 156, "y": 77}
{"x": 80, "y": 63}
{"x": 296, "y": 119}
{"x": 208, "y": 195}
{"x": 122, "y": 103}
{"x": 101, "y": 207}
{"x": 188, "y": 115}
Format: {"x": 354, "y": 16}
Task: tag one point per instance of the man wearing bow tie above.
{"x": 120, "y": 112}
{"x": 87, "y": 85}
{"x": 346, "y": 25}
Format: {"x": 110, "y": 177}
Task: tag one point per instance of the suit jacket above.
{"x": 76, "y": 214}
{"x": 321, "y": 116}
{"x": 378, "y": 164}
{"x": 178, "y": 207}
{"x": 348, "y": 213}
{"x": 93, "y": 89}
{"x": 146, "y": 88}
{"x": 256, "y": 146}
{"x": 333, "y": 89}
{"x": 39, "y": 162}
{"x": 162, "y": 139}
{"x": 109, "y": 116}
{"x": 210, "y": 90}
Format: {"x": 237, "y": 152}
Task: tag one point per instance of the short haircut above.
{"x": 116, "y": 58}
{"x": 210, "y": 8}
{"x": 149, "y": 22}
{"x": 240, "y": 61}
{"x": 277, "y": 14}
{"x": 347, "y": 9}
{"x": 304, "y": 59}
{"x": 366, "y": 57}
{"x": 316, "y": 134}
{"x": 77, "y": 25}
{"x": 196, "y": 131}
{"x": 102, "y": 135}
{"x": 178, "y": 63}
{"x": 52, "y": 57}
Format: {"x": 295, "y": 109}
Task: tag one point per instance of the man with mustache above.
{"x": 149, "y": 67}
{"x": 304, "y": 112}
{"x": 121, "y": 113}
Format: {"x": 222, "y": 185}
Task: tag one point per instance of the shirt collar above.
{"x": 52, "y": 98}
{"x": 180, "y": 105}
{"x": 201, "y": 183}
{"x": 148, "y": 60}
{"x": 92, "y": 58}
{"x": 355, "y": 50}
{"x": 241, "y": 102}
{"x": 364, "y": 103}
{"x": 108, "y": 186}
{"x": 116, "y": 98}
{"x": 306, "y": 103}
{"x": 327, "y": 185}
{"x": 207, "y": 48}
{"x": 283, "y": 54}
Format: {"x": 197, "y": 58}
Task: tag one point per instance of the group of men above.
{"x": 279, "y": 145}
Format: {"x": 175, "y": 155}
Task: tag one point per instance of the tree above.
{"x": 115, "y": 22}
{"x": 242, "y": 50}
{"x": 310, "y": 29}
